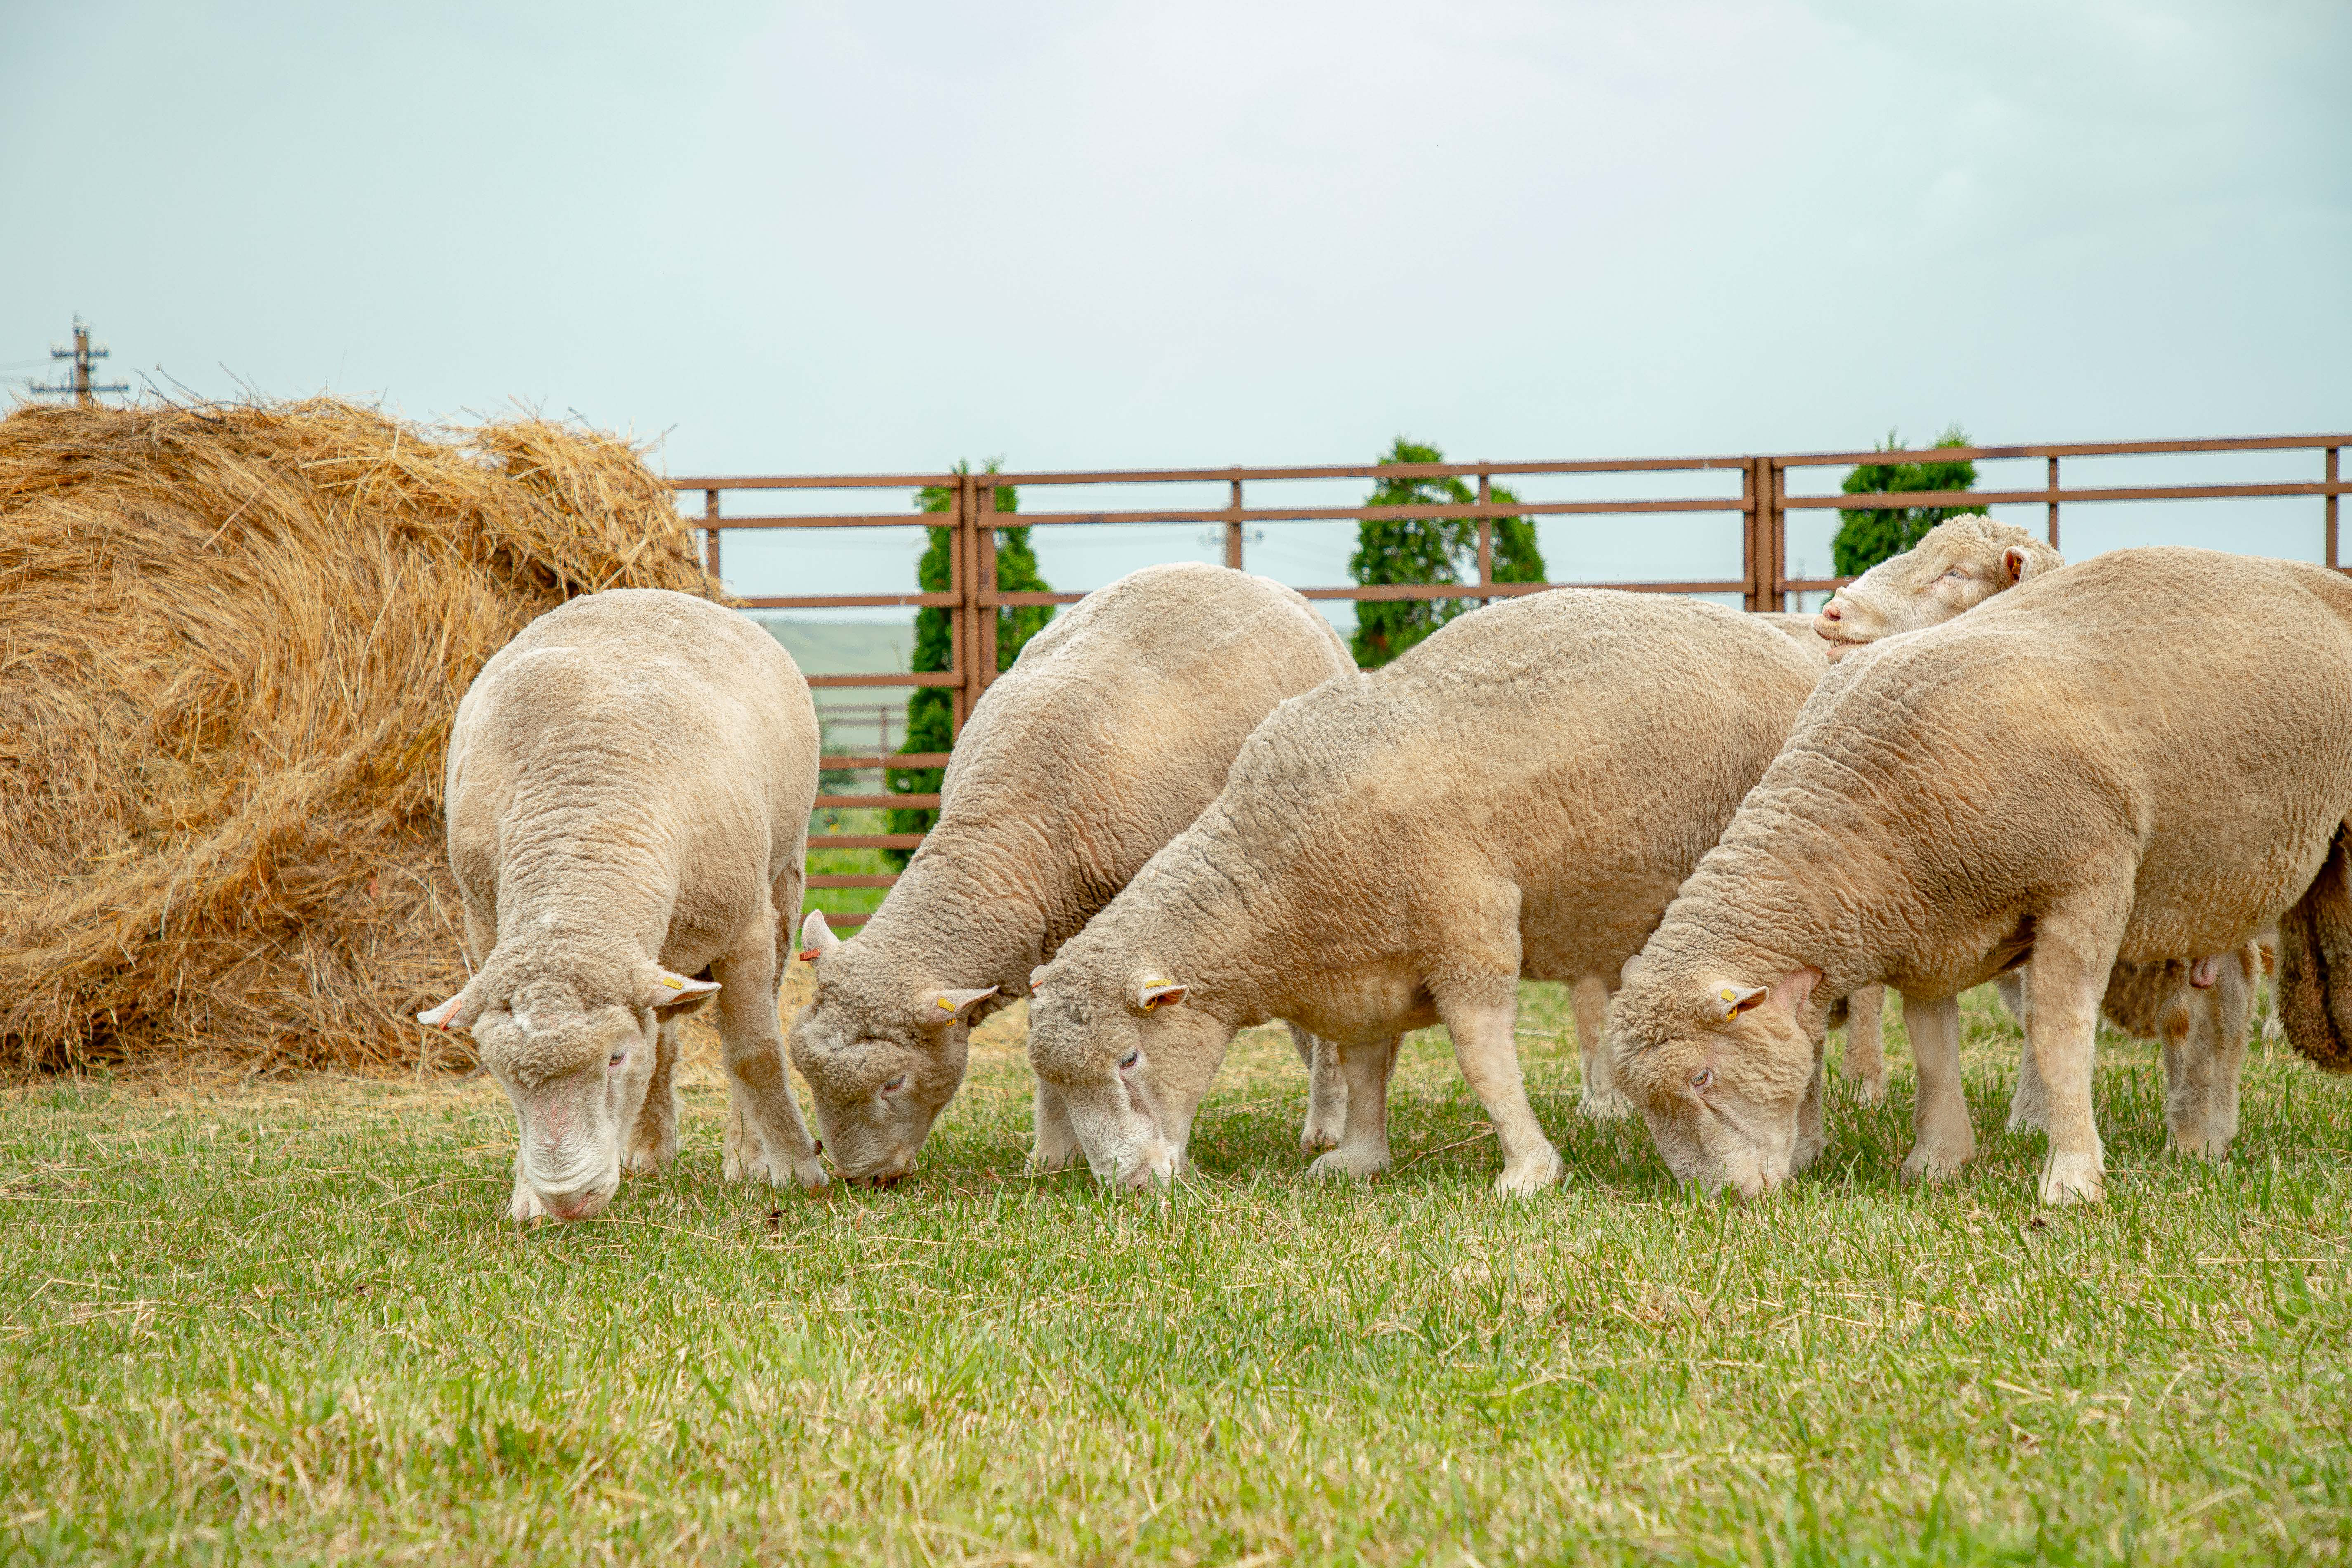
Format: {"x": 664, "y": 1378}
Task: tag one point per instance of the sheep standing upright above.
{"x": 2018, "y": 784}
{"x": 1105, "y": 740}
{"x": 1520, "y": 794}
{"x": 628, "y": 793}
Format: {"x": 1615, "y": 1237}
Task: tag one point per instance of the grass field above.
{"x": 284, "y": 1322}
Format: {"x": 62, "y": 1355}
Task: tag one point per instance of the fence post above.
{"x": 710, "y": 532}
{"x": 2054, "y": 503}
{"x": 960, "y": 615}
{"x": 2332, "y": 453}
{"x": 1750, "y": 508}
{"x": 1233, "y": 526}
{"x": 1775, "y": 536}
{"x": 984, "y": 541}
{"x": 1485, "y": 539}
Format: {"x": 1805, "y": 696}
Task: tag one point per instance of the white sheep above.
{"x": 1108, "y": 736}
{"x": 2198, "y": 1012}
{"x": 2006, "y": 787}
{"x": 628, "y": 791}
{"x": 1520, "y": 794}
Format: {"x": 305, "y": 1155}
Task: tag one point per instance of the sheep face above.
{"x": 577, "y": 1078}
{"x": 1962, "y": 563}
{"x": 1718, "y": 1069}
{"x": 880, "y": 1066}
{"x": 1130, "y": 1062}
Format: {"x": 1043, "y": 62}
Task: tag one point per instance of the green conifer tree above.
{"x": 930, "y": 711}
{"x": 1428, "y": 550}
{"x": 1866, "y": 537}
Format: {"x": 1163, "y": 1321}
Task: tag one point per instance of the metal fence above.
{"x": 1760, "y": 510}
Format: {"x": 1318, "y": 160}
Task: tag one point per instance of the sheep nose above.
{"x": 569, "y": 1206}
{"x": 1830, "y": 612}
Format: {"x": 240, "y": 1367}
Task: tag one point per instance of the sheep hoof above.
{"x": 1539, "y": 1172}
{"x": 1872, "y": 1090}
{"x": 1607, "y": 1106}
{"x": 809, "y": 1175}
{"x": 1341, "y": 1165}
{"x": 1931, "y": 1165}
{"x": 648, "y": 1159}
{"x": 526, "y": 1206}
{"x": 2074, "y": 1179}
{"x": 1316, "y": 1135}
{"x": 2201, "y": 1144}
{"x": 1062, "y": 1157}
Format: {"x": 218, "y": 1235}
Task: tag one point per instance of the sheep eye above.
{"x": 616, "y": 1058}
{"x": 1129, "y": 1060}
{"x": 895, "y": 1084}
{"x": 1701, "y": 1079}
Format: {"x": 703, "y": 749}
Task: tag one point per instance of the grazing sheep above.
{"x": 2008, "y": 786}
{"x": 629, "y": 792}
{"x": 1962, "y": 563}
{"x": 1104, "y": 741}
{"x": 1520, "y": 794}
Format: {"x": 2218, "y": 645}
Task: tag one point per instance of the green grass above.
{"x": 284, "y": 1323}
{"x": 847, "y": 862}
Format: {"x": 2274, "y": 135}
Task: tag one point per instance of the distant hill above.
{"x": 843, "y": 647}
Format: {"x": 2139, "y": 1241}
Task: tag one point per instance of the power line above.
{"x": 81, "y": 389}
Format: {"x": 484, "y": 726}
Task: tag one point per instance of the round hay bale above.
{"x": 232, "y": 639}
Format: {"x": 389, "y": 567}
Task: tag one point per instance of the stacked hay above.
{"x": 232, "y": 639}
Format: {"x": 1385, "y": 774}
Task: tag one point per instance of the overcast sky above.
{"x": 800, "y": 238}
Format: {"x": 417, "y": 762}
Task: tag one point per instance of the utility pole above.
{"x": 83, "y": 391}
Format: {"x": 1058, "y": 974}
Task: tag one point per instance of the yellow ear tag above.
{"x": 674, "y": 984}
{"x": 1155, "y": 980}
{"x": 1732, "y": 995}
{"x": 946, "y": 1006}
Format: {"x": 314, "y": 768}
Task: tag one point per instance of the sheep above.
{"x": 2006, "y": 787}
{"x": 1107, "y": 738}
{"x": 2200, "y": 1023}
{"x": 627, "y": 791}
{"x": 1962, "y": 563}
{"x": 1520, "y": 794}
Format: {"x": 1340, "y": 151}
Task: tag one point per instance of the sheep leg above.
{"x": 1601, "y": 1100}
{"x": 2073, "y": 954}
{"x": 2029, "y": 1108}
{"x": 1812, "y": 1136}
{"x": 1865, "y": 1046}
{"x": 1487, "y": 1049}
{"x": 1363, "y": 1150}
{"x": 1327, "y": 1092}
{"x": 1056, "y": 1148}
{"x": 2200, "y": 1071}
{"x": 752, "y": 1041}
{"x": 1942, "y": 1140}
{"x": 653, "y": 1141}
{"x": 524, "y": 1207}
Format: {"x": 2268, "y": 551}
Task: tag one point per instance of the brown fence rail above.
{"x": 1761, "y": 507}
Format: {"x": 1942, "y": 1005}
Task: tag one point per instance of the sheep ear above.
{"x": 673, "y": 990}
{"x": 817, "y": 937}
{"x": 1157, "y": 992}
{"x": 2016, "y": 564}
{"x": 1730, "y": 1001}
{"x": 1796, "y": 987}
{"x": 955, "y": 1007}
{"x": 458, "y": 1013}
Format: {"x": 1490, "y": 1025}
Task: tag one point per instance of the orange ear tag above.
{"x": 808, "y": 955}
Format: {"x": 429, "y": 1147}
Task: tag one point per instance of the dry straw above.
{"x": 232, "y": 638}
